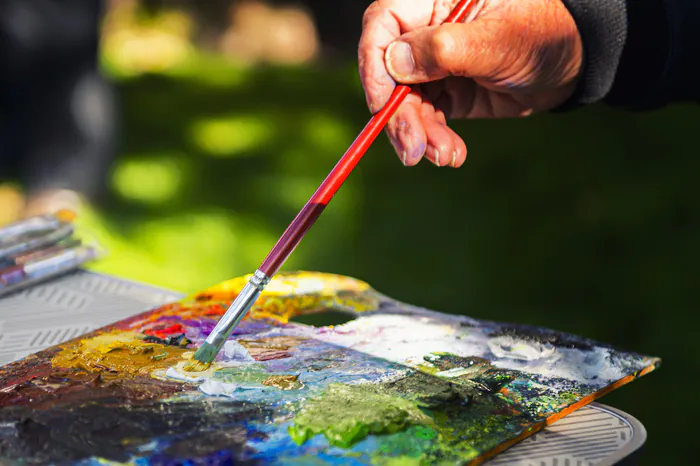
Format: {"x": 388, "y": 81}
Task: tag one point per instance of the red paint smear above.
{"x": 163, "y": 333}
{"x": 215, "y": 310}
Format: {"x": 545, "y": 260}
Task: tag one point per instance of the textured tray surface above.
{"x": 56, "y": 311}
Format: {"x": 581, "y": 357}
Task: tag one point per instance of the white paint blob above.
{"x": 215, "y": 388}
{"x": 174, "y": 373}
{"x": 178, "y": 372}
{"x": 236, "y": 353}
{"x": 507, "y": 347}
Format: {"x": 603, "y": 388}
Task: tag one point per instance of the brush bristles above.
{"x": 195, "y": 366}
{"x": 202, "y": 358}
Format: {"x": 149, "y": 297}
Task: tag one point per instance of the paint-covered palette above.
{"x": 397, "y": 384}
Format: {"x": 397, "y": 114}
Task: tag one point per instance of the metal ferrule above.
{"x": 238, "y": 309}
{"x": 259, "y": 280}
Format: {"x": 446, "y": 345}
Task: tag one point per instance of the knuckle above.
{"x": 370, "y": 14}
{"x": 444, "y": 48}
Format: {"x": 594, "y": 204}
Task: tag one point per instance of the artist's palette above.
{"x": 398, "y": 384}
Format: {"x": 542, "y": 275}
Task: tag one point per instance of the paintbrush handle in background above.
{"x": 41, "y": 240}
{"x": 37, "y": 224}
{"x": 335, "y": 179}
{"x": 40, "y": 268}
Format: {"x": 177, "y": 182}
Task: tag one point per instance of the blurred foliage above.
{"x": 135, "y": 41}
{"x": 585, "y": 222}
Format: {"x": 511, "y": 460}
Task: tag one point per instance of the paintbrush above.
{"x": 39, "y": 223}
{"x": 35, "y": 232}
{"x": 289, "y": 240}
{"x": 39, "y": 266}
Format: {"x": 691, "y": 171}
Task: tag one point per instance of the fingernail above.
{"x": 437, "y": 157}
{"x": 453, "y": 164}
{"x": 403, "y": 157}
{"x": 399, "y": 60}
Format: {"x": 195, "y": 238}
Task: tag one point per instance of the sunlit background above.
{"x": 229, "y": 118}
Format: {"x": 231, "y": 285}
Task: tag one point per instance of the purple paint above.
{"x": 12, "y": 275}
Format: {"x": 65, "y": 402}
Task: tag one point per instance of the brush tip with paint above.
{"x": 202, "y": 358}
{"x": 235, "y": 313}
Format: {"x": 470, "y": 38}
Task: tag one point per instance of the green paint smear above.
{"x": 542, "y": 405}
{"x": 246, "y": 375}
{"x": 431, "y": 420}
{"x": 469, "y": 416}
{"x": 463, "y": 435}
{"x": 400, "y": 461}
{"x": 430, "y": 392}
{"x": 405, "y": 448}
{"x": 345, "y": 414}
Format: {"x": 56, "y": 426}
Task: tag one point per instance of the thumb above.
{"x": 477, "y": 49}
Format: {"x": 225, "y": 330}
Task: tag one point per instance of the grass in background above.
{"x": 212, "y": 170}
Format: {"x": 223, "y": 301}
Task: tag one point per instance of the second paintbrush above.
{"x": 206, "y": 353}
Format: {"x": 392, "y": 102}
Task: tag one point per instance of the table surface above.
{"x": 66, "y": 307}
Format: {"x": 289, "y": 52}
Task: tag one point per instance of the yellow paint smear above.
{"x": 287, "y": 295}
{"x": 283, "y": 382}
{"x": 118, "y": 354}
{"x": 195, "y": 366}
{"x": 180, "y": 373}
{"x": 295, "y": 293}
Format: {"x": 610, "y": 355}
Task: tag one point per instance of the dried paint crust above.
{"x": 398, "y": 384}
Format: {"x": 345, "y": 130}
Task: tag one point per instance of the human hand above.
{"x": 510, "y": 59}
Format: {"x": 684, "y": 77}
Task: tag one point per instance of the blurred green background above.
{"x": 585, "y": 222}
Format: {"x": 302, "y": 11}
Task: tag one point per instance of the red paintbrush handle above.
{"x": 335, "y": 179}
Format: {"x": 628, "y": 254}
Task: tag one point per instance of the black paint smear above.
{"x": 447, "y": 361}
{"x": 221, "y": 458}
{"x": 545, "y": 336}
{"x": 173, "y": 340}
{"x": 209, "y": 442}
{"x": 484, "y": 377}
{"x": 324, "y": 318}
{"x": 202, "y": 430}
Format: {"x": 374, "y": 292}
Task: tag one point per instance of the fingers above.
{"x": 440, "y": 143}
{"x": 383, "y": 22}
{"x": 419, "y": 130}
{"x": 378, "y": 30}
{"x": 479, "y": 49}
{"x": 406, "y": 131}
{"x": 459, "y": 156}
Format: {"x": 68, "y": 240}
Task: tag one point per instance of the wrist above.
{"x": 602, "y": 25}
{"x": 648, "y": 57}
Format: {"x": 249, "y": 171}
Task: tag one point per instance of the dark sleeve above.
{"x": 638, "y": 54}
